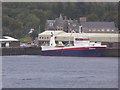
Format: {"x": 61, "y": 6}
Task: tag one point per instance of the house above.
{"x": 80, "y": 26}
{"x": 66, "y": 29}
{"x": 8, "y": 41}
{"x": 99, "y": 27}
{"x": 56, "y": 24}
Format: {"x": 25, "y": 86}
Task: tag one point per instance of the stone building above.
{"x": 99, "y": 27}
{"x": 81, "y": 25}
{"x": 66, "y": 29}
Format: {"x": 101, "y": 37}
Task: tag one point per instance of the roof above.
{"x": 98, "y": 25}
{"x": 50, "y": 21}
{"x": 68, "y": 35}
{"x": 61, "y": 17}
{"x": 93, "y": 36}
{"x": 49, "y": 32}
{"x": 8, "y": 38}
{"x": 88, "y": 34}
{"x": 105, "y": 37}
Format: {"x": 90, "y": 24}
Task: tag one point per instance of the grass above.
{"x": 25, "y": 39}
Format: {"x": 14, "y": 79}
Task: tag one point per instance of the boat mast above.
{"x": 52, "y": 40}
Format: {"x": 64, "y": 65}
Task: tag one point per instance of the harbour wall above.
{"x": 37, "y": 51}
{"x": 111, "y": 53}
{"x": 21, "y": 51}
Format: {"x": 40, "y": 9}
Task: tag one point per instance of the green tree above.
{"x": 92, "y": 17}
{"x": 19, "y": 17}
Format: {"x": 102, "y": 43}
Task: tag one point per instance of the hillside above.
{"x": 20, "y": 17}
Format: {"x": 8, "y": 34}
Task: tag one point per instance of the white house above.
{"x": 8, "y": 41}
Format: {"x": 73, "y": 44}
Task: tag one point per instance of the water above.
{"x": 59, "y": 72}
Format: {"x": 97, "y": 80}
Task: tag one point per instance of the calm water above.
{"x": 59, "y": 72}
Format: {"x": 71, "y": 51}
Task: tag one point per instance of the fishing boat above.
{"x": 81, "y": 46}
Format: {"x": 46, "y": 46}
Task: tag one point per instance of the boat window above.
{"x": 79, "y": 39}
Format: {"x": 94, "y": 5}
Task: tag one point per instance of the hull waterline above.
{"x": 79, "y": 53}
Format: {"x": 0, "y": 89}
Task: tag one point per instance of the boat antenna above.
{"x": 70, "y": 37}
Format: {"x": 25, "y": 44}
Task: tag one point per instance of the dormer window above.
{"x": 50, "y": 24}
{"x": 74, "y": 25}
{"x": 68, "y": 23}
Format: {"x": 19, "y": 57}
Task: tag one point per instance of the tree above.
{"x": 92, "y": 17}
{"x": 20, "y": 17}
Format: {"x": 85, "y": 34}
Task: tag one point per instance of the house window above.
{"x": 73, "y": 31}
{"x": 51, "y": 24}
{"x": 110, "y": 45}
{"x": 57, "y": 28}
{"x": 112, "y": 30}
{"x": 98, "y": 29}
{"x": 41, "y": 38}
{"x": 74, "y": 25}
{"x": 61, "y": 28}
{"x": 3, "y": 44}
{"x": 108, "y": 30}
{"x": 70, "y": 30}
{"x": 103, "y": 30}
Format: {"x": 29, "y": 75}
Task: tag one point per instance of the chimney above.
{"x": 65, "y": 18}
{"x": 70, "y": 20}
